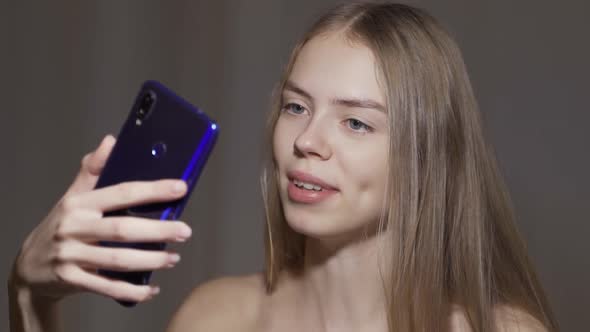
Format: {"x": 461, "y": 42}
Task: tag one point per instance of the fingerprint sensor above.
{"x": 158, "y": 150}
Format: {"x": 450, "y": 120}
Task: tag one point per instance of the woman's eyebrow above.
{"x": 347, "y": 102}
{"x": 291, "y": 86}
{"x": 359, "y": 103}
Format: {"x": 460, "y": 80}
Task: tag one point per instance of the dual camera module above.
{"x": 146, "y": 105}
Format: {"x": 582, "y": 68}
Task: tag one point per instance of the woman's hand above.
{"x": 61, "y": 255}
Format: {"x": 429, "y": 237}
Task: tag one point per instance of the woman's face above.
{"x": 331, "y": 140}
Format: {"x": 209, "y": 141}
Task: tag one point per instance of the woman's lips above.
{"x": 308, "y": 178}
{"x": 308, "y": 196}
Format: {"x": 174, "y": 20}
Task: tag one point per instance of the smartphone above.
{"x": 163, "y": 137}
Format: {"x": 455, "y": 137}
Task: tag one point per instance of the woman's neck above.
{"x": 343, "y": 285}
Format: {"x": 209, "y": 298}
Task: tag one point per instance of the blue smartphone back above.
{"x": 163, "y": 137}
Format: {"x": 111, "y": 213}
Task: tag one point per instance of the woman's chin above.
{"x": 323, "y": 228}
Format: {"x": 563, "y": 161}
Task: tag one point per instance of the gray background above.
{"x": 69, "y": 71}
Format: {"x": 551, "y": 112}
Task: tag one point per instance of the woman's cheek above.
{"x": 282, "y": 141}
{"x": 366, "y": 162}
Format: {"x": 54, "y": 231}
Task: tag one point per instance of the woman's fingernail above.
{"x": 155, "y": 290}
{"x": 179, "y": 186}
{"x": 106, "y": 138}
{"x": 174, "y": 258}
{"x": 185, "y": 232}
{"x": 102, "y": 141}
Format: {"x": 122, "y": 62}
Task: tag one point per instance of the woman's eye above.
{"x": 358, "y": 125}
{"x": 294, "y": 108}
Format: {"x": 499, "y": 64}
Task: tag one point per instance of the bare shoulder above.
{"x": 224, "y": 304}
{"x": 508, "y": 319}
{"x": 458, "y": 320}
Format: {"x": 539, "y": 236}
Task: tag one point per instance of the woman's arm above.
{"x": 30, "y": 314}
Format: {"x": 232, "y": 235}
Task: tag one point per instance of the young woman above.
{"x": 385, "y": 208}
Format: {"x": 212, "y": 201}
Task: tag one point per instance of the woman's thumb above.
{"x": 92, "y": 165}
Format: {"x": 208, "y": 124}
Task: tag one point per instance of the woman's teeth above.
{"x": 307, "y": 186}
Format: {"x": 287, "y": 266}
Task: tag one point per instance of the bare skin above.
{"x": 242, "y": 304}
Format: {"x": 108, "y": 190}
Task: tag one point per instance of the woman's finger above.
{"x": 120, "y": 290}
{"x": 127, "y": 194}
{"x": 92, "y": 165}
{"x": 117, "y": 259}
{"x": 126, "y": 229}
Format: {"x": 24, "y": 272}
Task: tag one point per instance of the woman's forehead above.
{"x": 330, "y": 66}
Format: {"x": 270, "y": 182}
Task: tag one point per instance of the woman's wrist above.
{"x": 28, "y": 311}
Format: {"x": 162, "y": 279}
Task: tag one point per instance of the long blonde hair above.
{"x": 453, "y": 235}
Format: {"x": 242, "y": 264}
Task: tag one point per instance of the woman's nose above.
{"x": 312, "y": 141}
